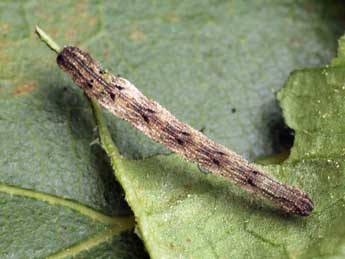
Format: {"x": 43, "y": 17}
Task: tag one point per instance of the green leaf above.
{"x": 200, "y": 59}
{"x": 184, "y": 214}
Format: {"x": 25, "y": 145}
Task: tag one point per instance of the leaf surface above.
{"x": 215, "y": 64}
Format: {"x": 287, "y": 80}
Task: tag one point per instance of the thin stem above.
{"x": 47, "y": 40}
{"x": 105, "y": 137}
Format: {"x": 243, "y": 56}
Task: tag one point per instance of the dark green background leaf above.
{"x": 215, "y": 64}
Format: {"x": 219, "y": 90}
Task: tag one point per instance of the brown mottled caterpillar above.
{"x": 124, "y": 100}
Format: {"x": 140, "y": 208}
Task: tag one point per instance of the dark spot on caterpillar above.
{"x": 174, "y": 133}
{"x": 119, "y": 87}
{"x": 220, "y": 153}
{"x": 146, "y": 119}
{"x": 254, "y": 172}
{"x": 150, "y": 110}
{"x": 102, "y": 71}
{"x": 185, "y": 133}
{"x": 112, "y": 96}
{"x": 250, "y": 181}
{"x": 141, "y": 112}
{"x": 216, "y": 161}
{"x": 170, "y": 129}
{"x": 180, "y": 141}
{"x": 205, "y": 151}
{"x": 90, "y": 83}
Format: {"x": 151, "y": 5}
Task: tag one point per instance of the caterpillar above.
{"x": 124, "y": 100}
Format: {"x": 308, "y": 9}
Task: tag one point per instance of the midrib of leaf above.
{"x": 119, "y": 224}
{"x": 122, "y": 223}
{"x": 87, "y": 244}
